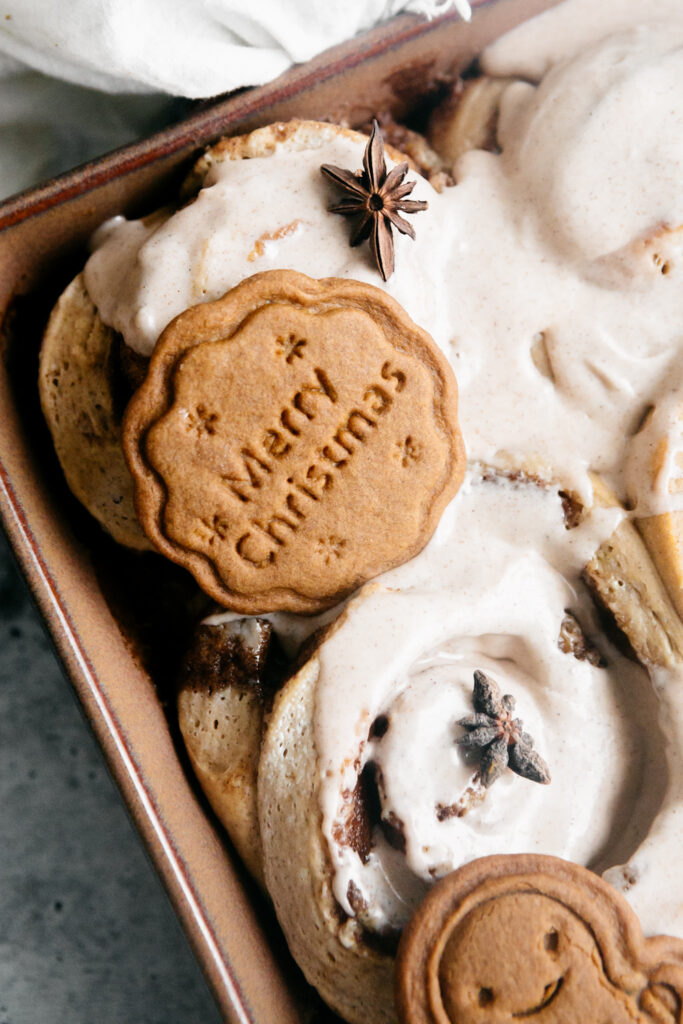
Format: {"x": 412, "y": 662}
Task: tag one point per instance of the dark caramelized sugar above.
{"x": 356, "y": 831}
{"x": 219, "y": 657}
{"x": 133, "y": 366}
{"x": 572, "y": 509}
{"x": 572, "y": 640}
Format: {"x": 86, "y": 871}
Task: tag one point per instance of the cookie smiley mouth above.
{"x": 549, "y": 993}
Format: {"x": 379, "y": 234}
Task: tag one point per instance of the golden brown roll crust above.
{"x": 626, "y": 582}
{"x": 224, "y": 688}
{"x": 468, "y": 119}
{"x": 77, "y": 367}
{"x": 354, "y": 979}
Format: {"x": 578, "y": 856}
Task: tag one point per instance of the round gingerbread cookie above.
{"x": 528, "y": 936}
{"x": 293, "y": 440}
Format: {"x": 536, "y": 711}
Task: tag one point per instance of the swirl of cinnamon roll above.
{"x": 366, "y": 797}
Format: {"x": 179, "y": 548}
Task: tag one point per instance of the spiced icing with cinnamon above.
{"x": 551, "y": 277}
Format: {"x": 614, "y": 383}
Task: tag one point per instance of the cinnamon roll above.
{"x": 365, "y": 794}
{"x": 144, "y": 272}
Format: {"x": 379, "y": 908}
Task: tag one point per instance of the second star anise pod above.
{"x": 377, "y": 199}
{"x": 502, "y": 739}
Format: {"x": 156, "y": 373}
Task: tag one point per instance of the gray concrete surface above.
{"x": 87, "y": 935}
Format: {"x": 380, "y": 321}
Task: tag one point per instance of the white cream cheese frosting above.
{"x": 490, "y": 593}
{"x": 551, "y": 276}
{"x": 252, "y": 215}
{"x": 539, "y": 274}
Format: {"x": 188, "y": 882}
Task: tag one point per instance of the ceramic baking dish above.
{"x": 114, "y": 630}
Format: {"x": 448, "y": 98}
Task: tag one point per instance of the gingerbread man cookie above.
{"x": 528, "y": 936}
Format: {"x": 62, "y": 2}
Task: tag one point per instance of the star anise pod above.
{"x": 502, "y": 738}
{"x": 375, "y": 198}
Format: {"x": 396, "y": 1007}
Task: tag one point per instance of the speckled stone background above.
{"x": 87, "y": 935}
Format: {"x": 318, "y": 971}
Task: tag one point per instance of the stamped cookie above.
{"x": 530, "y": 936}
{"x": 293, "y": 440}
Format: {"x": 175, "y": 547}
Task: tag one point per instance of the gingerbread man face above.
{"x": 528, "y": 937}
{"x": 525, "y": 955}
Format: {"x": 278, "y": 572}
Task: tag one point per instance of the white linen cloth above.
{"x": 188, "y": 48}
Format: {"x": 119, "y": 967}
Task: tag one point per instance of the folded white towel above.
{"x": 185, "y": 48}
{"x": 192, "y": 48}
